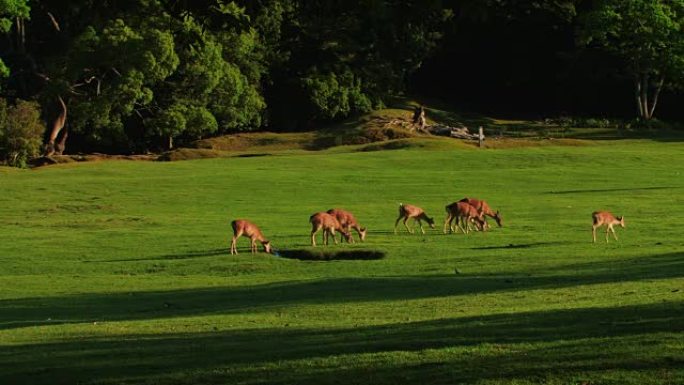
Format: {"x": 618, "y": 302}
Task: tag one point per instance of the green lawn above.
{"x": 118, "y": 271}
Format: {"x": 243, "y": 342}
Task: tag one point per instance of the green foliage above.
{"x": 332, "y": 59}
{"x": 21, "y": 132}
{"x": 333, "y": 96}
{"x": 9, "y": 10}
{"x": 646, "y": 35}
{"x": 157, "y": 69}
{"x": 193, "y": 122}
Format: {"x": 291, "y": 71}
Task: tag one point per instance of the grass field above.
{"x": 118, "y": 272}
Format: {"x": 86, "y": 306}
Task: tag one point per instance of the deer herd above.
{"x": 468, "y": 214}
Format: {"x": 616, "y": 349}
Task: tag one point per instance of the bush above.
{"x": 21, "y": 132}
{"x": 651, "y": 124}
{"x": 579, "y": 122}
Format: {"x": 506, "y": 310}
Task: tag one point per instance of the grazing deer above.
{"x": 409, "y": 211}
{"x": 329, "y": 224}
{"x": 604, "y": 218}
{"x": 348, "y": 222}
{"x": 248, "y": 229}
{"x": 465, "y": 213}
{"x": 484, "y": 208}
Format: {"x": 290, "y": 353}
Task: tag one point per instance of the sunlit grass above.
{"x": 119, "y": 272}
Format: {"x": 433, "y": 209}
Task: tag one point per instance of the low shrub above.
{"x": 21, "y": 132}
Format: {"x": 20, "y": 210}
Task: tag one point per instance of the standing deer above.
{"x": 463, "y": 212}
{"x": 409, "y": 211}
{"x": 248, "y": 229}
{"x": 329, "y": 224}
{"x": 348, "y": 222}
{"x": 484, "y": 208}
{"x": 604, "y": 218}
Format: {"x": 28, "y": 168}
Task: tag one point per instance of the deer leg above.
{"x": 314, "y": 230}
{"x": 396, "y": 223}
{"x": 447, "y": 220}
{"x": 233, "y": 246}
{"x": 593, "y": 233}
{"x": 612, "y": 230}
{"x": 459, "y": 224}
{"x": 451, "y": 223}
{"x": 332, "y": 231}
{"x": 351, "y": 238}
{"x": 420, "y": 223}
{"x": 607, "y": 231}
{"x": 253, "y": 246}
{"x": 468, "y": 223}
{"x": 405, "y": 225}
{"x": 233, "y": 243}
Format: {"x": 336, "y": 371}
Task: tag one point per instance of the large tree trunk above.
{"x": 61, "y": 145}
{"x": 637, "y": 96}
{"x": 659, "y": 87}
{"x": 57, "y": 126}
{"x": 646, "y": 95}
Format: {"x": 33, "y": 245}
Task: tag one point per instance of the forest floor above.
{"x": 389, "y": 128}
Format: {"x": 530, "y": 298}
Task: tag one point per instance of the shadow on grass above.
{"x": 520, "y": 246}
{"x": 589, "y": 191}
{"x": 188, "y": 255}
{"x": 23, "y": 312}
{"x": 527, "y": 346}
{"x": 331, "y": 255}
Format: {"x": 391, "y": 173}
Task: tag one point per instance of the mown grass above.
{"x": 118, "y": 272}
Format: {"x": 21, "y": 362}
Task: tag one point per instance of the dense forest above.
{"x": 139, "y": 75}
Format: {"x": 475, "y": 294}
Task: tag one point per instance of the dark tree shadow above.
{"x": 148, "y": 305}
{"x": 589, "y": 191}
{"x": 520, "y": 245}
{"x": 188, "y": 255}
{"x": 521, "y": 345}
{"x": 331, "y": 255}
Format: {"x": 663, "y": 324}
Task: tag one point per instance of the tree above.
{"x": 21, "y": 131}
{"x": 12, "y": 12}
{"x": 647, "y": 36}
{"x": 329, "y": 58}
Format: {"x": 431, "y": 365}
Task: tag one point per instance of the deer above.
{"x": 348, "y": 222}
{"x": 462, "y": 212}
{"x": 244, "y": 227}
{"x": 484, "y": 208}
{"x": 604, "y": 218}
{"x": 407, "y": 212}
{"x": 329, "y": 224}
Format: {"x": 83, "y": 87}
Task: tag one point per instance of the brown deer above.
{"x": 604, "y": 218}
{"x": 407, "y": 212}
{"x": 250, "y": 230}
{"x": 484, "y": 208}
{"x": 348, "y": 222}
{"x": 329, "y": 224}
{"x": 464, "y": 213}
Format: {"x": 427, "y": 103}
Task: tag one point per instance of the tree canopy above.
{"x": 138, "y": 75}
{"x": 648, "y": 38}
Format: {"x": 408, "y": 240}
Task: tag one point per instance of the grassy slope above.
{"x": 117, "y": 272}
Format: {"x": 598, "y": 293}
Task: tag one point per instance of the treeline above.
{"x": 139, "y": 75}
